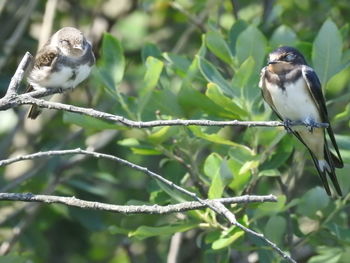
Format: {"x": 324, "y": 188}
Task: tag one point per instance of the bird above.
{"x": 63, "y": 62}
{"x": 294, "y": 92}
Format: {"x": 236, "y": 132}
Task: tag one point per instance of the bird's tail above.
{"x": 327, "y": 167}
{"x": 34, "y": 111}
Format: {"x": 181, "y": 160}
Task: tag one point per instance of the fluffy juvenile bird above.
{"x": 63, "y": 62}
{"x": 294, "y": 92}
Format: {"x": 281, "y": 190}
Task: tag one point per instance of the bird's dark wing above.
{"x": 47, "y": 56}
{"x": 315, "y": 89}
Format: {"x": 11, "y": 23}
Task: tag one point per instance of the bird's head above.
{"x": 284, "y": 59}
{"x": 71, "y": 42}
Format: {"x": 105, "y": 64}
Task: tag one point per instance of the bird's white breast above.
{"x": 63, "y": 78}
{"x": 294, "y": 102}
{"x": 83, "y": 72}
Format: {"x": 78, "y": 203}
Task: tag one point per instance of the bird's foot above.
{"x": 287, "y": 125}
{"x": 310, "y": 124}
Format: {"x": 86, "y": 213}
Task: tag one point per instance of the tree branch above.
{"x": 131, "y": 209}
{"x": 30, "y": 98}
{"x": 25, "y": 99}
{"x": 214, "y": 205}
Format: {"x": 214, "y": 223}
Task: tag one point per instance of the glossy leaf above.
{"x": 251, "y": 43}
{"x": 283, "y": 36}
{"x": 275, "y": 228}
{"x": 215, "y": 138}
{"x": 218, "y": 46}
{"x": 327, "y": 51}
{"x": 112, "y": 62}
{"x": 313, "y": 200}
{"x": 216, "y": 95}
{"x": 211, "y": 74}
{"x": 238, "y": 27}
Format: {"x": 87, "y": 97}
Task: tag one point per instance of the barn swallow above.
{"x": 63, "y": 62}
{"x": 294, "y": 92}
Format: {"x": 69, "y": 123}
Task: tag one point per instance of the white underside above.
{"x": 296, "y": 104}
{"x": 44, "y": 78}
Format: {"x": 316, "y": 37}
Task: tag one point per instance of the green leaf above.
{"x": 228, "y": 239}
{"x": 143, "y": 232}
{"x": 214, "y": 93}
{"x": 212, "y": 170}
{"x": 246, "y": 79}
{"x": 89, "y": 122}
{"x": 211, "y": 74}
{"x": 216, "y": 187}
{"x": 112, "y": 62}
{"x": 313, "y": 200}
{"x": 192, "y": 100}
{"x": 283, "y": 36}
{"x": 144, "y": 150}
{"x": 275, "y": 228}
{"x": 251, "y": 43}
{"x": 217, "y": 169}
{"x": 236, "y": 29}
{"x": 212, "y": 165}
{"x": 327, "y": 51}
{"x": 154, "y": 69}
{"x": 248, "y": 166}
{"x": 269, "y": 172}
{"x": 342, "y": 116}
{"x": 239, "y": 181}
{"x": 161, "y": 134}
{"x": 166, "y": 102}
{"x": 179, "y": 63}
{"x": 271, "y": 208}
{"x": 327, "y": 254}
{"x": 150, "y": 50}
{"x": 218, "y": 46}
{"x": 216, "y": 138}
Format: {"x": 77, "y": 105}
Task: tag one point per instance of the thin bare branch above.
{"x": 30, "y": 98}
{"x": 25, "y": 99}
{"x": 131, "y": 209}
{"x": 214, "y": 205}
{"x": 19, "y": 74}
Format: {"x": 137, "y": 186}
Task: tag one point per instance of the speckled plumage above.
{"x": 63, "y": 62}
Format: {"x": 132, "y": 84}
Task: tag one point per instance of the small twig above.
{"x": 131, "y": 209}
{"x": 19, "y": 74}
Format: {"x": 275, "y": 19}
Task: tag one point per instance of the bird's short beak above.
{"x": 272, "y": 62}
{"x": 78, "y": 47}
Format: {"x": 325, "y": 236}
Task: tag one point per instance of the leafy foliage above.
{"x": 156, "y": 63}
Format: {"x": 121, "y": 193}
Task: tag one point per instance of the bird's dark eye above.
{"x": 65, "y": 42}
{"x": 289, "y": 57}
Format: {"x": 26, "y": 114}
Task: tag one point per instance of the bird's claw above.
{"x": 287, "y": 126}
{"x": 310, "y": 125}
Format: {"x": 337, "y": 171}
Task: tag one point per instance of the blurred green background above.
{"x": 161, "y": 59}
